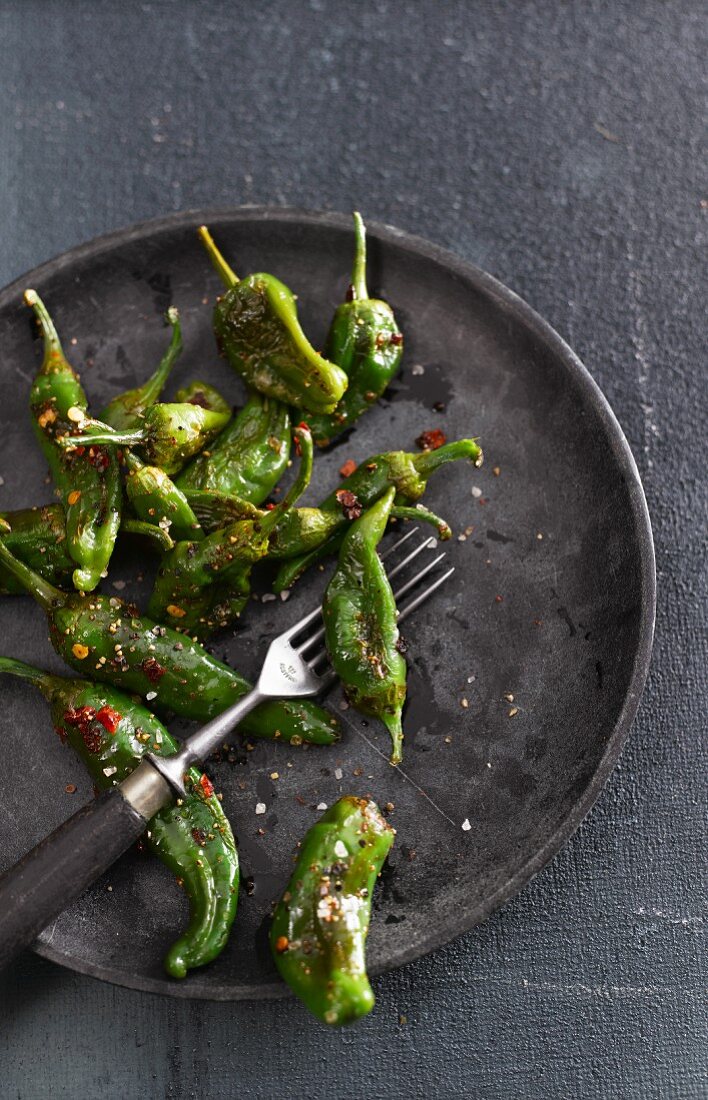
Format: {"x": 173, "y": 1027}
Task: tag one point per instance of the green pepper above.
{"x": 319, "y": 930}
{"x": 361, "y": 632}
{"x": 110, "y": 732}
{"x": 156, "y": 499}
{"x": 198, "y": 584}
{"x": 202, "y": 394}
{"x": 257, "y": 329}
{"x": 364, "y": 340}
{"x": 409, "y": 474}
{"x": 38, "y": 538}
{"x": 122, "y": 647}
{"x": 249, "y": 457}
{"x": 169, "y": 435}
{"x": 125, "y": 411}
{"x": 88, "y": 479}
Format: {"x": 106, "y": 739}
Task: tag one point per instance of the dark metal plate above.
{"x": 563, "y": 622}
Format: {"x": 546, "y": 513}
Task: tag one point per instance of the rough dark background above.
{"x": 558, "y": 145}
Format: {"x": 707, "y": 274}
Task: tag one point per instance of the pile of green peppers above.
{"x": 200, "y": 485}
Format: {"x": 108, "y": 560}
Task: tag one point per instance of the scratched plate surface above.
{"x": 552, "y": 600}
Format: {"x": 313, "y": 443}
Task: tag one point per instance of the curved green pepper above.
{"x": 88, "y": 479}
{"x": 38, "y": 538}
{"x": 199, "y": 584}
{"x": 125, "y": 411}
{"x": 361, "y": 631}
{"x": 203, "y": 394}
{"x": 156, "y": 499}
{"x": 170, "y": 434}
{"x": 257, "y": 329}
{"x": 119, "y": 646}
{"x": 408, "y": 473}
{"x": 249, "y": 457}
{"x": 364, "y": 340}
{"x": 319, "y": 930}
{"x": 110, "y": 732}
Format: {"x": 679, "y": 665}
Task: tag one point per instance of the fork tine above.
{"x": 409, "y": 558}
{"x": 418, "y": 577}
{"x": 419, "y": 599}
{"x": 387, "y": 553}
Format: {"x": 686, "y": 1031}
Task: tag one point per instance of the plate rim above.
{"x": 523, "y": 313}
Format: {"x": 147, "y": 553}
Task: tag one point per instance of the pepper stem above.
{"x": 157, "y": 535}
{"x": 37, "y": 676}
{"x": 46, "y": 595}
{"x": 423, "y": 515}
{"x": 51, "y": 338}
{"x": 303, "y": 438}
{"x": 98, "y": 432}
{"x": 359, "y": 289}
{"x": 392, "y": 723}
{"x": 157, "y": 381}
{"x": 227, "y": 274}
{"x": 429, "y": 461}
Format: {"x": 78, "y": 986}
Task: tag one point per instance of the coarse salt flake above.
{"x": 338, "y": 773}
{"x": 260, "y": 807}
{"x": 321, "y": 805}
{"x": 340, "y": 850}
{"x": 466, "y": 825}
{"x": 151, "y": 695}
{"x": 417, "y": 369}
{"x": 476, "y": 491}
{"x": 110, "y": 771}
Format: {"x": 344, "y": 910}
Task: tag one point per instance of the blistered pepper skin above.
{"x": 257, "y": 329}
{"x": 200, "y": 586}
{"x": 168, "y": 436}
{"x": 361, "y": 631}
{"x": 88, "y": 478}
{"x": 320, "y": 925}
{"x": 110, "y": 732}
{"x": 364, "y": 340}
{"x": 407, "y": 473}
{"x": 105, "y": 637}
{"x": 249, "y": 457}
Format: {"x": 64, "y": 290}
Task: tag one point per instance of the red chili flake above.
{"x": 98, "y": 457}
{"x": 70, "y": 788}
{"x": 153, "y": 669}
{"x": 348, "y": 468}
{"x": 350, "y": 503}
{"x": 431, "y": 440}
{"x": 80, "y": 718}
{"x": 109, "y": 718}
{"x": 207, "y": 786}
{"x": 92, "y": 739}
{"x": 396, "y": 339}
{"x": 499, "y": 599}
{"x": 198, "y": 835}
{"x": 269, "y": 507}
{"x": 298, "y": 448}
{"x": 61, "y": 734}
{"x": 79, "y": 451}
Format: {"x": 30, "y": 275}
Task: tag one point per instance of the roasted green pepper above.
{"x": 202, "y": 586}
{"x": 38, "y": 538}
{"x": 169, "y": 435}
{"x": 408, "y": 473}
{"x": 249, "y": 457}
{"x": 258, "y": 331}
{"x": 319, "y": 930}
{"x": 364, "y": 340}
{"x": 88, "y": 478}
{"x": 361, "y": 632}
{"x": 110, "y": 732}
{"x": 109, "y": 638}
{"x": 156, "y": 499}
{"x": 125, "y": 411}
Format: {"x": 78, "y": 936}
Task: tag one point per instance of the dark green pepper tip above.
{"x": 428, "y": 462}
{"x": 227, "y": 274}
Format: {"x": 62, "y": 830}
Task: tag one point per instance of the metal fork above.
{"x": 63, "y": 865}
{"x": 290, "y": 669}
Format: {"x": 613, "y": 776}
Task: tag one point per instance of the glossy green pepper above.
{"x": 88, "y": 479}
{"x": 408, "y": 473}
{"x": 125, "y": 411}
{"x": 202, "y": 394}
{"x": 170, "y": 434}
{"x": 156, "y": 499}
{"x": 364, "y": 340}
{"x": 108, "y": 638}
{"x": 199, "y": 584}
{"x": 249, "y": 457}
{"x": 257, "y": 329}
{"x": 319, "y": 930}
{"x": 361, "y": 631}
{"x": 38, "y": 538}
{"x": 110, "y": 732}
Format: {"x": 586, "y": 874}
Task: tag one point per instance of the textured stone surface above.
{"x": 556, "y": 145}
